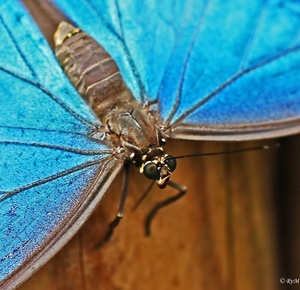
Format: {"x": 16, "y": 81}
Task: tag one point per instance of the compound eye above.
{"x": 171, "y": 162}
{"x": 150, "y": 171}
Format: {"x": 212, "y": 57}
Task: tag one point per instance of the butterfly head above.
{"x": 159, "y": 168}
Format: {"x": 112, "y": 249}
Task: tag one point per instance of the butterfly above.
{"x": 210, "y": 74}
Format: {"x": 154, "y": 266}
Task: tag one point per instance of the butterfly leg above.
{"x": 120, "y": 213}
{"x": 182, "y": 190}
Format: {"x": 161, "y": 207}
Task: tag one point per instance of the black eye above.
{"x": 171, "y": 162}
{"x": 150, "y": 171}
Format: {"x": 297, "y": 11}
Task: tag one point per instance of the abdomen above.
{"x": 90, "y": 68}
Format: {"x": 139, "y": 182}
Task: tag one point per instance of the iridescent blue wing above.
{"x": 218, "y": 70}
{"x": 52, "y": 172}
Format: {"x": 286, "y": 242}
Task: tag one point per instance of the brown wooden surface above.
{"x": 221, "y": 235}
{"x": 288, "y": 210}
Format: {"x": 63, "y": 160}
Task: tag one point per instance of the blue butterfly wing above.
{"x": 52, "y": 172}
{"x": 218, "y": 70}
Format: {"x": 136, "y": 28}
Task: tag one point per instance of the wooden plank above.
{"x": 288, "y": 203}
{"x": 219, "y": 236}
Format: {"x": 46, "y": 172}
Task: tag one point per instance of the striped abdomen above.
{"x": 90, "y": 68}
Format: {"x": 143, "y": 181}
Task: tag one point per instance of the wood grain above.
{"x": 221, "y": 235}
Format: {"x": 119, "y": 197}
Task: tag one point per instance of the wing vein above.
{"x": 17, "y": 47}
{"x": 251, "y": 40}
{"x": 234, "y": 78}
{"x": 54, "y": 98}
{"x": 51, "y": 178}
{"x": 62, "y": 148}
{"x": 181, "y": 82}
